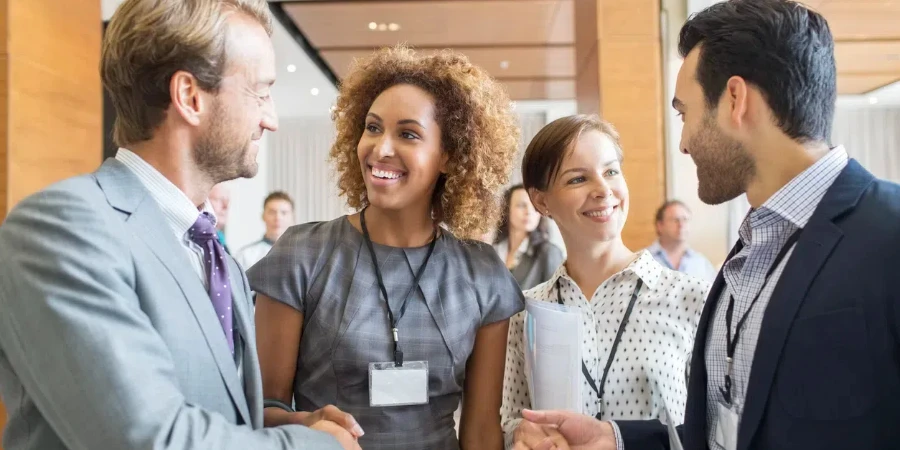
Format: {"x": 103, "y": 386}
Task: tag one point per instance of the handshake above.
{"x": 562, "y": 430}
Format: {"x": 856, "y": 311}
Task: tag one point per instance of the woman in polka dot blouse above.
{"x": 572, "y": 170}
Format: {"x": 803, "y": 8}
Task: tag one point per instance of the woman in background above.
{"x": 523, "y": 242}
{"x": 638, "y": 317}
{"x": 387, "y": 293}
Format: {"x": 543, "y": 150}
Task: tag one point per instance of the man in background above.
{"x": 220, "y": 199}
{"x": 278, "y": 215}
{"x": 671, "y": 248}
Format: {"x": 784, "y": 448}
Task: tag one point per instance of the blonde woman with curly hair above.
{"x": 396, "y": 313}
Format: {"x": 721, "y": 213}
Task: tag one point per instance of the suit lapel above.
{"x": 814, "y": 247}
{"x": 695, "y": 416}
{"x": 243, "y": 315}
{"x": 146, "y": 220}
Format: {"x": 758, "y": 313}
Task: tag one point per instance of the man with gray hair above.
{"x": 123, "y": 322}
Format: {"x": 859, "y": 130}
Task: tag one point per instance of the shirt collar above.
{"x": 179, "y": 211}
{"x": 797, "y": 201}
{"x": 644, "y": 267}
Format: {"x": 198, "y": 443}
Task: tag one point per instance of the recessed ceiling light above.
{"x": 382, "y": 26}
{"x": 314, "y": 91}
{"x": 873, "y": 100}
{"x": 393, "y": 27}
{"x": 504, "y": 65}
{"x": 291, "y": 68}
{"x": 373, "y": 25}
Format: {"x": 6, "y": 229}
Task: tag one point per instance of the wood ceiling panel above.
{"x": 540, "y": 90}
{"x": 868, "y": 57}
{"x": 524, "y": 62}
{"x": 435, "y": 23}
{"x": 860, "y": 84}
{"x": 860, "y": 19}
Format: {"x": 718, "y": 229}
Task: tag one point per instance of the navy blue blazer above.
{"x": 826, "y": 372}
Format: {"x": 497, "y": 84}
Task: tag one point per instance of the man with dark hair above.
{"x": 671, "y": 248}
{"x": 799, "y": 340}
{"x": 278, "y": 215}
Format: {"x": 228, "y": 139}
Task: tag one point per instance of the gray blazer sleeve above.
{"x": 83, "y": 350}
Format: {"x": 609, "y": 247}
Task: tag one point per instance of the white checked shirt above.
{"x": 178, "y": 209}
{"x": 763, "y": 233}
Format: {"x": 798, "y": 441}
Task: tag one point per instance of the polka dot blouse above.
{"x": 649, "y": 371}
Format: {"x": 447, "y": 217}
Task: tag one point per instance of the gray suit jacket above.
{"x": 108, "y": 339}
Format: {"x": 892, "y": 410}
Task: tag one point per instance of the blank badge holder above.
{"x": 393, "y": 385}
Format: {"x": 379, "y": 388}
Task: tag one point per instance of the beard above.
{"x": 220, "y": 154}
{"x": 724, "y": 168}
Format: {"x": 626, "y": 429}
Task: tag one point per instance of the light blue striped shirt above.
{"x": 692, "y": 263}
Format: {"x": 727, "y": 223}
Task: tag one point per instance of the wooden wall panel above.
{"x": 4, "y": 174}
{"x": 54, "y": 93}
{"x": 4, "y": 122}
{"x": 50, "y": 96}
{"x": 629, "y": 67}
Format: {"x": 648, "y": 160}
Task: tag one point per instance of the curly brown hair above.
{"x": 479, "y": 131}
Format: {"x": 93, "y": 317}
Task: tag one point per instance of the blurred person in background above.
{"x": 278, "y": 215}
{"x": 385, "y": 312}
{"x": 673, "y": 223}
{"x": 522, "y": 240}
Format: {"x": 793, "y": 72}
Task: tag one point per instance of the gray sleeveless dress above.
{"x": 325, "y": 270}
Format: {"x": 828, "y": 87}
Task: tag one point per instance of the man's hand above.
{"x": 347, "y": 441}
{"x": 530, "y": 436}
{"x": 332, "y": 414}
{"x": 580, "y": 432}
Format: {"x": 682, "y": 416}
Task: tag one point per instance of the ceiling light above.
{"x": 382, "y": 26}
{"x": 393, "y": 27}
{"x": 314, "y": 91}
{"x": 504, "y": 65}
{"x": 873, "y": 100}
{"x": 291, "y": 68}
{"x": 373, "y": 25}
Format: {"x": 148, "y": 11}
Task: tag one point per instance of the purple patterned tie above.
{"x": 203, "y": 233}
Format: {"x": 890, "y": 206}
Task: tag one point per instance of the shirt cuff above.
{"x": 620, "y": 445}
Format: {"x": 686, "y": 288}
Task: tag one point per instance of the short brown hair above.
{"x": 147, "y": 41}
{"x": 278, "y": 195}
{"x": 661, "y": 211}
{"x": 546, "y": 151}
{"x": 479, "y": 131}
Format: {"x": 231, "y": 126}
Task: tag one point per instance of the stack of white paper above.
{"x": 553, "y": 337}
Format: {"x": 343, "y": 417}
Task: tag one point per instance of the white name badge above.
{"x": 390, "y": 385}
{"x": 727, "y": 428}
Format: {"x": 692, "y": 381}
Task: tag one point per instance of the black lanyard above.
{"x": 398, "y": 354}
{"x": 612, "y": 352}
{"x": 729, "y": 313}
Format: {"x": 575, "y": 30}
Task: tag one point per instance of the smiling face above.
{"x": 400, "y": 151}
{"x": 588, "y": 198}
